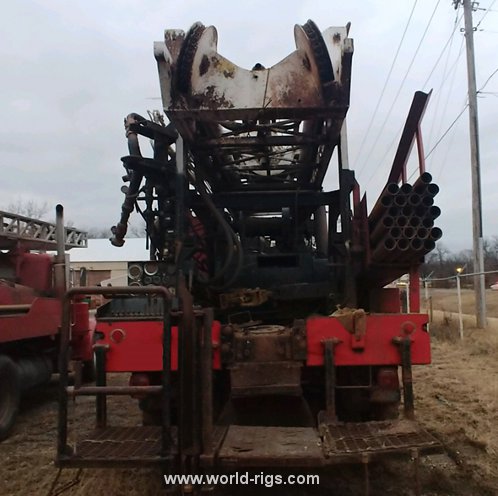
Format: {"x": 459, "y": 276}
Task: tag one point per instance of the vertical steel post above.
{"x": 414, "y": 290}
{"x": 60, "y": 258}
{"x": 460, "y": 316}
{"x": 207, "y": 382}
{"x": 166, "y": 382}
{"x": 330, "y": 380}
{"x": 62, "y": 447}
{"x": 426, "y": 296}
{"x": 101, "y": 380}
{"x": 180, "y": 189}
{"x": 406, "y": 377}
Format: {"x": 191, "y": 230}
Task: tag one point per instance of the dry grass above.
{"x": 446, "y": 300}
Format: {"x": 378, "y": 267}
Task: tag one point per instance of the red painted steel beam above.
{"x": 410, "y": 132}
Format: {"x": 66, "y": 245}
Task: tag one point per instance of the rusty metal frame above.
{"x": 63, "y": 449}
{"x": 411, "y": 132}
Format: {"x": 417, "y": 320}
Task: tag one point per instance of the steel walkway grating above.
{"x": 120, "y": 443}
{"x": 376, "y": 437}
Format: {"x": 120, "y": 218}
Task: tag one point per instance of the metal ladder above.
{"x": 36, "y": 234}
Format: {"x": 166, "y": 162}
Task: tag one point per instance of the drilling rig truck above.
{"x": 262, "y": 332}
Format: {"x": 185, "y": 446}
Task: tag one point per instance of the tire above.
{"x": 10, "y": 393}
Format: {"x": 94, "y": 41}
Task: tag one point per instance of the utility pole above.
{"x": 477, "y": 235}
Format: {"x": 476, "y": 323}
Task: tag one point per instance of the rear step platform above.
{"x": 256, "y": 446}
{"x": 116, "y": 446}
{"x": 332, "y": 444}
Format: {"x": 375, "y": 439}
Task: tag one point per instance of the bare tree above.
{"x": 28, "y": 208}
{"x": 98, "y": 232}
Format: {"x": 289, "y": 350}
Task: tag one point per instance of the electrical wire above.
{"x": 363, "y": 141}
{"x": 487, "y": 80}
{"x": 450, "y": 43}
{"x": 488, "y": 10}
{"x": 446, "y": 154}
{"x": 452, "y": 73}
{"x": 402, "y": 84}
{"x": 447, "y": 131}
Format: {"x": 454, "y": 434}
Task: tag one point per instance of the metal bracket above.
{"x": 330, "y": 380}
{"x": 404, "y": 344}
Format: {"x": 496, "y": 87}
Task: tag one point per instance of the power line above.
{"x": 488, "y": 10}
{"x": 452, "y": 127}
{"x": 487, "y": 80}
{"x": 447, "y": 152}
{"x": 447, "y": 131}
{"x": 453, "y": 72}
{"x": 449, "y": 42}
{"x": 402, "y": 83}
{"x": 363, "y": 141}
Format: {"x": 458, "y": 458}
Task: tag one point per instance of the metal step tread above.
{"x": 375, "y": 437}
{"x": 330, "y": 444}
{"x": 116, "y": 445}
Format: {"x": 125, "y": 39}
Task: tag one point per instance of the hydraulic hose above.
{"x": 233, "y": 241}
{"x": 119, "y": 231}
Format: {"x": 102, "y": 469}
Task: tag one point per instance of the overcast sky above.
{"x": 72, "y": 70}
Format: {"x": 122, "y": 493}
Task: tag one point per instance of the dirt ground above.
{"x": 456, "y": 398}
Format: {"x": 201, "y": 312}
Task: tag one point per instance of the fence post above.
{"x": 459, "y": 291}
{"x": 426, "y": 296}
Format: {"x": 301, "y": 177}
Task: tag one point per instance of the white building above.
{"x": 105, "y": 263}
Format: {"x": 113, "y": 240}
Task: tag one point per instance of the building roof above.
{"x": 101, "y": 250}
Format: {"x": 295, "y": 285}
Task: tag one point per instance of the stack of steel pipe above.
{"x": 402, "y": 222}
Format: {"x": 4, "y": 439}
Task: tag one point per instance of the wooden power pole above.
{"x": 477, "y": 235}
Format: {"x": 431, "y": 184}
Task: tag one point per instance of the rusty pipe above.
{"x": 420, "y": 185}
{"x": 434, "y": 212}
{"x": 405, "y": 188}
{"x": 422, "y": 233}
{"x": 407, "y": 210}
{"x": 409, "y": 232}
{"x": 402, "y": 244}
{"x": 414, "y": 221}
{"x": 381, "y": 228}
{"x": 420, "y": 211}
{"x": 385, "y": 248}
{"x": 429, "y": 245}
{"x": 381, "y": 204}
{"x": 402, "y": 221}
{"x": 432, "y": 189}
{"x": 416, "y": 244}
{"x": 395, "y": 232}
{"x": 400, "y": 200}
{"x": 427, "y": 222}
{"x": 435, "y": 233}
{"x": 427, "y": 201}
{"x": 428, "y": 189}
{"x": 414, "y": 199}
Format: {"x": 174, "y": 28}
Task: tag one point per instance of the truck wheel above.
{"x": 10, "y": 392}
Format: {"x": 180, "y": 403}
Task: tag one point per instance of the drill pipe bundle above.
{"x": 401, "y": 223}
